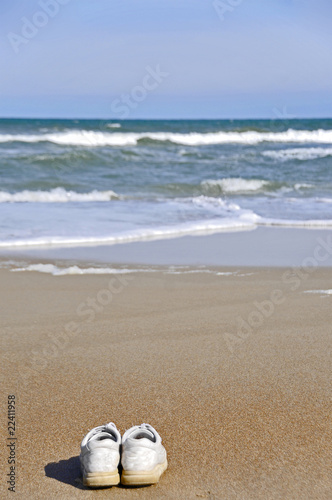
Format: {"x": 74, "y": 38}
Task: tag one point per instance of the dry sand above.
{"x": 241, "y": 417}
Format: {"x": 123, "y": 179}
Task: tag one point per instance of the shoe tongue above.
{"x": 143, "y": 432}
{"x": 106, "y": 432}
{"x": 104, "y": 435}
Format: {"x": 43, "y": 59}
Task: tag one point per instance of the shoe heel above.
{"x": 101, "y": 479}
{"x": 141, "y": 478}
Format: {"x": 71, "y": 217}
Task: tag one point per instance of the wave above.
{"x": 320, "y": 292}
{"x": 208, "y": 271}
{"x": 113, "y": 125}
{"x": 235, "y": 185}
{"x": 57, "y": 195}
{"x": 216, "y": 203}
{"x": 97, "y": 139}
{"x": 300, "y": 186}
{"x": 246, "y": 221}
{"x": 76, "y": 270}
{"x": 323, "y": 200}
{"x": 58, "y": 271}
{"x": 302, "y": 154}
{"x": 148, "y": 234}
{"x": 307, "y": 224}
{"x": 76, "y": 138}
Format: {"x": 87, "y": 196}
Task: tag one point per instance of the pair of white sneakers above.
{"x": 143, "y": 457}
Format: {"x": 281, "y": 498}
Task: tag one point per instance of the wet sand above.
{"x": 233, "y": 371}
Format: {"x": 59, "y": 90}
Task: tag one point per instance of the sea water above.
{"x": 79, "y": 182}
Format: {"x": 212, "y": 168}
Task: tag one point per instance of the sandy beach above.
{"x": 232, "y": 369}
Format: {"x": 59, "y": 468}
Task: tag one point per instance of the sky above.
{"x": 166, "y": 59}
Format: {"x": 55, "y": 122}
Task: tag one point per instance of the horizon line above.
{"x": 166, "y": 119}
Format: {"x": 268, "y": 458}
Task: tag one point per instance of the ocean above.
{"x": 83, "y": 182}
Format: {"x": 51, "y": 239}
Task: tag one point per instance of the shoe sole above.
{"x": 101, "y": 479}
{"x": 139, "y": 478}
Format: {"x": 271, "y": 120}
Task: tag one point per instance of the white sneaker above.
{"x": 143, "y": 456}
{"x": 100, "y": 456}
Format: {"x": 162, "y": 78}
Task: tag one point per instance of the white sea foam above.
{"x": 57, "y": 195}
{"x": 243, "y": 222}
{"x": 320, "y": 292}
{"x": 235, "y": 185}
{"x": 208, "y": 215}
{"x": 76, "y": 270}
{"x": 239, "y": 185}
{"x": 95, "y": 139}
{"x": 197, "y": 271}
{"x": 76, "y": 138}
{"x": 209, "y": 202}
{"x": 209, "y": 271}
{"x": 300, "y": 186}
{"x": 58, "y": 271}
{"x": 113, "y": 125}
{"x": 299, "y": 154}
{"x": 226, "y": 217}
{"x": 229, "y": 214}
{"x": 249, "y": 137}
{"x": 308, "y": 224}
{"x": 323, "y": 200}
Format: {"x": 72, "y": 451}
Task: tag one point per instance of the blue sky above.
{"x": 81, "y": 58}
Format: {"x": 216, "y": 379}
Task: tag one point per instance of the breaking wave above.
{"x": 235, "y": 185}
{"x": 98, "y": 139}
{"x": 57, "y": 195}
{"x": 302, "y": 154}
